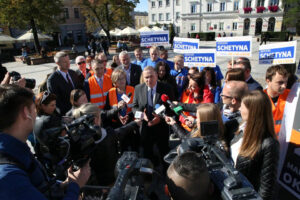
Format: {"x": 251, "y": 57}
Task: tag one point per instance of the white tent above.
{"x": 101, "y": 33}
{"x": 28, "y": 37}
{"x": 115, "y": 32}
{"x": 6, "y": 39}
{"x": 145, "y": 29}
{"x": 155, "y": 28}
{"x": 129, "y": 31}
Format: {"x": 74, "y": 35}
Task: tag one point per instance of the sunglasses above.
{"x": 229, "y": 97}
{"x": 80, "y": 63}
{"x": 45, "y": 96}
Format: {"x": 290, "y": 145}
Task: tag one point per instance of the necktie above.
{"x": 101, "y": 83}
{"x": 69, "y": 81}
{"x": 150, "y": 106}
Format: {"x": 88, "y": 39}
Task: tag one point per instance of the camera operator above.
{"x": 105, "y": 155}
{"x": 18, "y": 168}
{"x": 188, "y": 178}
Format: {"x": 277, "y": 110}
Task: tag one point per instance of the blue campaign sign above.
{"x": 234, "y": 46}
{"x": 201, "y": 58}
{"x": 160, "y": 38}
{"x": 180, "y": 45}
{"x": 279, "y": 53}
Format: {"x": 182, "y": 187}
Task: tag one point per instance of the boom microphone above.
{"x": 177, "y": 109}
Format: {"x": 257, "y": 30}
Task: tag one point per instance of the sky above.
{"x": 142, "y": 6}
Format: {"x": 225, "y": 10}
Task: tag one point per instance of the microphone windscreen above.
{"x": 164, "y": 98}
{"x": 129, "y": 94}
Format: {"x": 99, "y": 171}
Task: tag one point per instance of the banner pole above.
{"x": 231, "y": 61}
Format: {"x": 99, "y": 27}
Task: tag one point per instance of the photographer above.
{"x": 188, "y": 178}
{"x": 18, "y": 167}
{"x": 105, "y": 156}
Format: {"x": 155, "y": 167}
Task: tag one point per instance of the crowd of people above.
{"x": 249, "y": 120}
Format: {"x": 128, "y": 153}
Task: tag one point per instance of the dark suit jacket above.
{"x": 57, "y": 85}
{"x": 135, "y": 75}
{"x": 80, "y": 77}
{"x": 140, "y": 98}
{"x": 253, "y": 85}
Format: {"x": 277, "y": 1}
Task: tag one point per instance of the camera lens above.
{"x": 30, "y": 83}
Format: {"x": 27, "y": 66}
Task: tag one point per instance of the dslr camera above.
{"x": 15, "y": 76}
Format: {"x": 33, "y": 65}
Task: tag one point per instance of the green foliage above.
{"x": 18, "y": 13}
{"x": 210, "y": 36}
{"x": 108, "y": 14}
{"x": 171, "y": 33}
{"x": 292, "y": 14}
{"x": 275, "y": 36}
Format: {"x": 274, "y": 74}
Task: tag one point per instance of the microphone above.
{"x": 177, "y": 109}
{"x": 160, "y": 110}
{"x": 126, "y": 98}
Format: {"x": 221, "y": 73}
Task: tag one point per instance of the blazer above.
{"x": 57, "y": 85}
{"x": 81, "y": 78}
{"x": 140, "y": 98}
{"x": 253, "y": 84}
{"x": 135, "y": 75}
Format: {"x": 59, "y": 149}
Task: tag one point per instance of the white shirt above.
{"x": 99, "y": 81}
{"x": 127, "y": 73}
{"x": 153, "y": 93}
{"x": 235, "y": 148}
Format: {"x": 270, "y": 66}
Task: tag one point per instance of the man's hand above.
{"x": 175, "y": 103}
{"x": 121, "y": 104}
{"x": 6, "y": 79}
{"x": 155, "y": 120}
{"x": 123, "y": 119}
{"x": 138, "y": 121}
{"x": 189, "y": 121}
{"x": 170, "y": 120}
{"x": 145, "y": 116}
{"x": 21, "y": 82}
{"x": 81, "y": 176}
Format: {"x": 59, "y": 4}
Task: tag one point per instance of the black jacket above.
{"x": 253, "y": 85}
{"x": 135, "y": 75}
{"x": 261, "y": 171}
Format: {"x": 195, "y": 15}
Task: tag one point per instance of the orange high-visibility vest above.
{"x": 113, "y": 98}
{"x": 108, "y": 71}
{"x": 97, "y": 94}
{"x": 185, "y": 99}
{"x": 278, "y": 110}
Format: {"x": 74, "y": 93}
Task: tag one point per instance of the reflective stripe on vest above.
{"x": 98, "y": 95}
{"x": 113, "y": 99}
{"x": 278, "y": 110}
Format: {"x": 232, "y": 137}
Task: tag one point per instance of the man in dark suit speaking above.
{"x": 133, "y": 72}
{"x": 154, "y": 129}
{"x": 62, "y": 82}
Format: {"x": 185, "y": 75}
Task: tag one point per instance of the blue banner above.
{"x": 267, "y": 56}
{"x": 151, "y": 39}
{"x": 181, "y": 45}
{"x": 200, "y": 59}
{"x": 234, "y": 46}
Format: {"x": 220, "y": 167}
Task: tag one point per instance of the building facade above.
{"x": 140, "y": 19}
{"x": 73, "y": 29}
{"x": 236, "y": 17}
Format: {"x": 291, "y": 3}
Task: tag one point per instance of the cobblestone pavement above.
{"x": 39, "y": 72}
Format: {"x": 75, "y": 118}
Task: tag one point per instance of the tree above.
{"x": 36, "y": 14}
{"x": 171, "y": 33}
{"x": 292, "y": 14}
{"x": 108, "y": 14}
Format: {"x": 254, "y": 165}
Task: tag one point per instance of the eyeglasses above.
{"x": 45, "y": 96}
{"x": 225, "y": 96}
{"x": 80, "y": 63}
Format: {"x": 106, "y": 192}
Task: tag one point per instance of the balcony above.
{"x": 273, "y": 8}
{"x": 247, "y": 10}
{"x": 260, "y": 9}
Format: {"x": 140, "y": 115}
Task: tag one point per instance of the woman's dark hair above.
{"x": 199, "y": 78}
{"x": 167, "y": 68}
{"x": 75, "y": 95}
{"x": 213, "y": 81}
{"x": 43, "y": 98}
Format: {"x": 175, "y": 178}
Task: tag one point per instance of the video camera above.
{"x": 133, "y": 175}
{"x": 231, "y": 184}
{"x": 15, "y": 76}
{"x": 70, "y": 144}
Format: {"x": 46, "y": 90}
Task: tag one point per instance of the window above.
{"x": 221, "y": 26}
{"x": 66, "y": 13}
{"x": 193, "y": 27}
{"x": 236, "y": 5}
{"x": 177, "y": 29}
{"x": 215, "y": 26}
{"x": 209, "y": 7}
{"x": 153, "y": 17}
{"x": 159, "y": 3}
{"x": 260, "y": 3}
{"x": 274, "y": 3}
{"x": 208, "y": 25}
{"x": 167, "y": 16}
{"x": 177, "y": 15}
{"x": 222, "y": 6}
{"x": 153, "y": 4}
{"x": 177, "y": 3}
{"x": 76, "y": 13}
{"x": 142, "y": 22}
{"x": 193, "y": 8}
{"x": 234, "y": 26}
{"x": 167, "y": 2}
{"x": 160, "y": 17}
{"x": 248, "y": 3}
